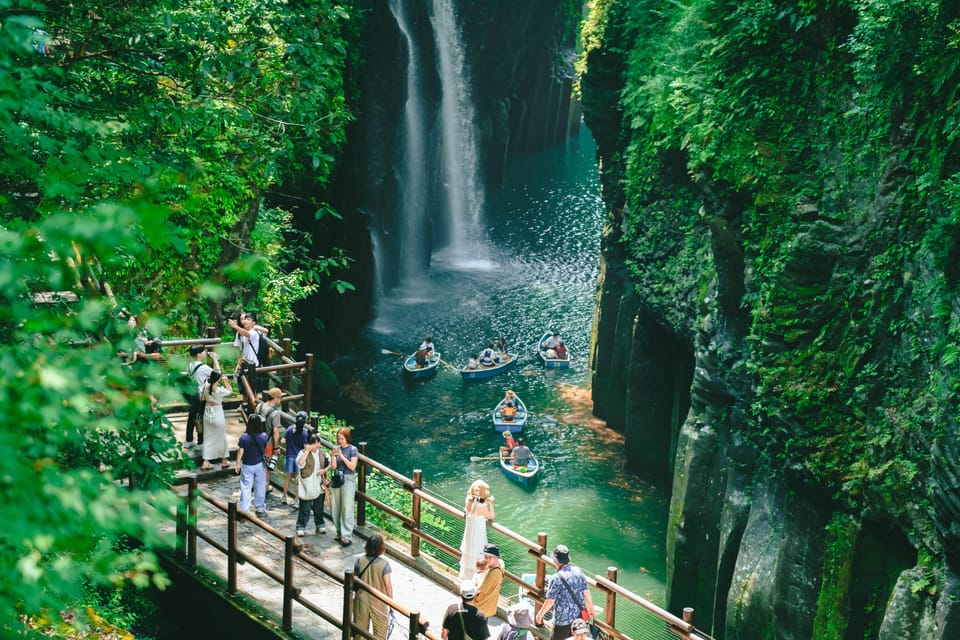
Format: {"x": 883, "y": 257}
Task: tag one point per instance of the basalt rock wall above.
{"x": 777, "y": 318}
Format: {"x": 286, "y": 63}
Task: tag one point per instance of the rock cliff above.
{"x": 780, "y": 287}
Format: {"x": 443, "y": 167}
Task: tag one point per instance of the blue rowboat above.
{"x": 480, "y": 372}
{"x": 415, "y": 372}
{"x": 516, "y": 424}
{"x": 551, "y": 363}
{"x": 525, "y": 475}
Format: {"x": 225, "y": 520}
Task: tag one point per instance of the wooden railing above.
{"x": 189, "y": 533}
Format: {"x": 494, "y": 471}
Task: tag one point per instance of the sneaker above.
{"x": 261, "y": 513}
{"x": 190, "y": 444}
{"x": 321, "y": 530}
{"x": 287, "y": 500}
{"x": 300, "y": 533}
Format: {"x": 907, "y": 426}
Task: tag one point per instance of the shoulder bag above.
{"x": 584, "y": 614}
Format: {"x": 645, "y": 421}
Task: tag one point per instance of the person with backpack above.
{"x": 294, "y": 440}
{"x": 272, "y": 416}
{"x": 312, "y": 464}
{"x": 374, "y": 570}
{"x": 251, "y": 467}
{"x": 518, "y": 621}
{"x": 253, "y": 350}
{"x": 199, "y": 371}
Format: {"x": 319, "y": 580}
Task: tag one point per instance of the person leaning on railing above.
{"x": 568, "y": 594}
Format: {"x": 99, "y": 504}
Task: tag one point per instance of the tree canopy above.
{"x": 141, "y": 145}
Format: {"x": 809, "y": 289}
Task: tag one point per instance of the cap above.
{"x": 519, "y": 616}
{"x": 468, "y": 591}
{"x": 491, "y": 550}
{"x": 301, "y": 417}
{"x": 579, "y": 626}
{"x": 562, "y": 554}
{"x": 274, "y": 392}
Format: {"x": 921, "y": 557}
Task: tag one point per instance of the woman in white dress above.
{"x": 478, "y": 509}
{"x": 214, "y": 423}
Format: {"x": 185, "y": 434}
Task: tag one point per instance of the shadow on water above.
{"x": 543, "y": 229}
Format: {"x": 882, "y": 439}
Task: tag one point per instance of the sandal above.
{"x": 346, "y": 542}
{"x": 206, "y": 467}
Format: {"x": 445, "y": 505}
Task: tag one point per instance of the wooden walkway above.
{"x": 420, "y": 585}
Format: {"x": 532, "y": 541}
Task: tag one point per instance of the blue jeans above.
{"x": 253, "y": 477}
{"x": 342, "y": 502}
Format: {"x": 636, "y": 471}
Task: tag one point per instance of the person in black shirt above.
{"x": 463, "y": 621}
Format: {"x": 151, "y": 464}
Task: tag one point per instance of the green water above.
{"x": 541, "y": 273}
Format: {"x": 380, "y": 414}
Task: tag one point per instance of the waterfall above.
{"x": 412, "y": 208}
{"x": 463, "y": 193}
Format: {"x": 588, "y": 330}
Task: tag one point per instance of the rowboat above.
{"x": 525, "y": 475}
{"x": 515, "y": 425}
{"x": 415, "y": 372}
{"x": 478, "y": 373}
{"x": 551, "y": 363}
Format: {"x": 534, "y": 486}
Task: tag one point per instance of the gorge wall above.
{"x": 779, "y": 313}
{"x": 517, "y": 62}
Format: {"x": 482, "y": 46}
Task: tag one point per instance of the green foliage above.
{"x": 818, "y": 138}
{"x": 139, "y": 141}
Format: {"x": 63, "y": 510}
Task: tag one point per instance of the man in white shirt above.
{"x": 247, "y": 340}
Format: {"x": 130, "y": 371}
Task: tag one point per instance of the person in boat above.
{"x": 521, "y": 454}
{"x": 488, "y": 357}
{"x": 427, "y": 345}
{"x": 510, "y": 396}
{"x": 561, "y": 350}
{"x": 473, "y": 362}
{"x": 509, "y": 411}
{"x": 421, "y": 356}
{"x": 508, "y": 440}
{"x": 552, "y": 341}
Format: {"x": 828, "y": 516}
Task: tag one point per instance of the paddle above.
{"x": 452, "y": 368}
{"x": 387, "y": 352}
{"x": 482, "y": 458}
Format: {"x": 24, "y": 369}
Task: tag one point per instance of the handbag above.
{"x": 584, "y": 614}
{"x": 336, "y": 480}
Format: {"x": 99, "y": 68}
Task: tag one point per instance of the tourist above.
{"x": 312, "y": 464}
{"x": 509, "y": 443}
{"x": 270, "y": 409}
{"x": 374, "y": 570}
{"x": 462, "y": 620}
{"x": 568, "y": 594}
{"x": 427, "y": 345}
{"x": 488, "y": 357}
{"x": 214, "y": 422}
{"x": 518, "y": 620}
{"x": 561, "y": 350}
{"x": 509, "y": 411}
{"x": 488, "y": 587}
{"x": 473, "y": 362}
{"x": 345, "y": 458}
{"x": 247, "y": 341}
{"x": 477, "y": 511}
{"x": 579, "y": 630}
{"x": 250, "y": 466}
{"x": 199, "y": 372}
{"x": 294, "y": 438}
{"x": 521, "y": 454}
{"x": 421, "y": 357}
{"x": 551, "y": 343}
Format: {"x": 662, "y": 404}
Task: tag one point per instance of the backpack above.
{"x": 263, "y": 350}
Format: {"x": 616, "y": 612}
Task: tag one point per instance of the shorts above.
{"x": 290, "y": 464}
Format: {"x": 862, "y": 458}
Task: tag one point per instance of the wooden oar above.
{"x": 479, "y": 458}
{"x": 387, "y": 352}
{"x": 452, "y": 368}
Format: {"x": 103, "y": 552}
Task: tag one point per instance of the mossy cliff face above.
{"x": 778, "y": 323}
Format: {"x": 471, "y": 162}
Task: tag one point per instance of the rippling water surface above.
{"x": 538, "y": 271}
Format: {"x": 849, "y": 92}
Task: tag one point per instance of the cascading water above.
{"x": 412, "y": 208}
{"x": 461, "y": 181}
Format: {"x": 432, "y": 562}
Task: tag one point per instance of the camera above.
{"x": 480, "y": 500}
{"x": 272, "y": 462}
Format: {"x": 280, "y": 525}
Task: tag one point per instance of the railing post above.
{"x": 688, "y": 617}
{"x": 308, "y": 383}
{"x": 287, "y": 373}
{"x": 181, "y": 548}
{"x": 610, "y": 614}
{"x": 192, "y": 508}
{"x": 288, "y": 553}
{"x": 348, "y": 603}
{"x": 232, "y": 548}
{"x": 415, "y": 513}
{"x": 361, "y": 471}
{"x": 414, "y": 627}
{"x": 541, "y": 566}
{"x": 212, "y": 332}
